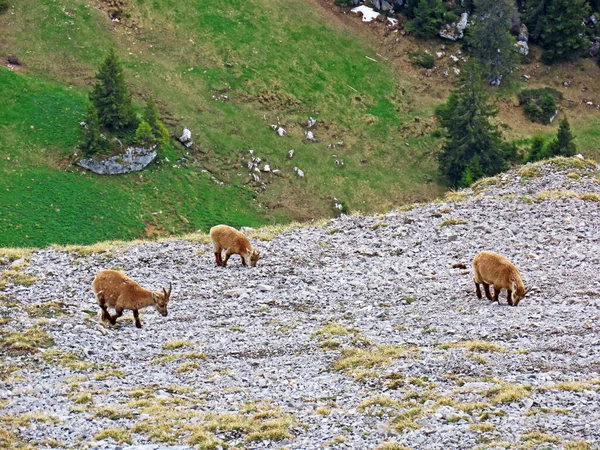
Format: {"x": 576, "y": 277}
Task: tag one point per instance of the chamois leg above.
{"x": 102, "y": 304}
{"x": 509, "y": 297}
{"x": 105, "y": 313}
{"x": 227, "y": 255}
{"x": 218, "y": 257}
{"x": 477, "y": 290}
{"x": 496, "y": 294}
{"x": 113, "y": 319}
{"x": 243, "y": 260}
{"x": 486, "y": 287}
{"x": 136, "y": 316}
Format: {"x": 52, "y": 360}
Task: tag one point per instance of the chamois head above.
{"x": 518, "y": 292}
{"x": 161, "y": 300}
{"x": 251, "y": 257}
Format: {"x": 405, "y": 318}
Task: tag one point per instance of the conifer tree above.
{"x": 158, "y": 128}
{"x": 144, "y": 135}
{"x": 92, "y": 141}
{"x": 427, "y": 18}
{"x": 558, "y": 26}
{"x": 111, "y": 96}
{"x": 471, "y": 141}
{"x": 563, "y": 144}
{"x": 490, "y": 37}
{"x": 538, "y": 149}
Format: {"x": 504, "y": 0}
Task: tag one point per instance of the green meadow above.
{"x": 228, "y": 71}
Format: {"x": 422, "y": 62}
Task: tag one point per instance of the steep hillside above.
{"x": 228, "y": 72}
{"x": 364, "y": 332}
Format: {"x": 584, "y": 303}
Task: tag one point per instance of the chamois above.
{"x": 118, "y": 291}
{"x": 492, "y": 268}
{"x": 233, "y": 242}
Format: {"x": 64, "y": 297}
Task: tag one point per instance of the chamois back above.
{"x": 116, "y": 290}
{"x": 234, "y": 242}
{"x": 490, "y": 268}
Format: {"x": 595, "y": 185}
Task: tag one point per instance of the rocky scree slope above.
{"x": 363, "y": 333}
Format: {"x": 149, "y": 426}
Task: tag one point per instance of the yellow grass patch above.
{"x": 375, "y": 356}
{"x": 476, "y": 346}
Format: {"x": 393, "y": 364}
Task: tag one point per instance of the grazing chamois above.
{"x": 120, "y": 292}
{"x": 233, "y": 242}
{"x": 492, "y": 268}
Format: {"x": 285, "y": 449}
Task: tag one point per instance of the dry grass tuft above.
{"x": 453, "y": 221}
{"x": 13, "y": 254}
{"x": 530, "y": 171}
{"x": 66, "y": 359}
{"x": 28, "y": 341}
{"x": 578, "y": 445}
{"x": 555, "y": 195}
{"x": 375, "y": 356}
{"x": 573, "y": 386}
{"x": 508, "y": 393}
{"x": 172, "y": 345}
{"x": 481, "y": 427}
{"x": 483, "y": 182}
{"x": 476, "y": 346}
{"x": 109, "y": 373}
{"x": 322, "y": 411}
{"x": 391, "y": 445}
{"x": 187, "y": 367}
{"x": 16, "y": 277}
{"x": 407, "y": 420}
{"x": 171, "y": 357}
{"x": 457, "y": 196}
{"x": 119, "y": 435}
{"x": 590, "y": 197}
{"x": 379, "y": 400}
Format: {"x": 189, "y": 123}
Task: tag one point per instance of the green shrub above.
{"x": 539, "y": 105}
{"x": 143, "y": 134}
{"x": 3, "y": 6}
{"x": 422, "y": 59}
{"x": 538, "y": 150}
{"x": 428, "y": 18}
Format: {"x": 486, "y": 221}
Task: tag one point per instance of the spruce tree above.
{"x": 144, "y": 135}
{"x": 563, "y": 144}
{"x": 158, "y": 128}
{"x": 427, "y": 18}
{"x": 537, "y": 150}
{"x": 471, "y": 141}
{"x": 111, "y": 96}
{"x": 92, "y": 141}
{"x": 490, "y": 38}
{"x": 558, "y": 26}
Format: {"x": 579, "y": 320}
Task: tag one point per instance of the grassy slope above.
{"x": 274, "y": 61}
{"x": 44, "y": 204}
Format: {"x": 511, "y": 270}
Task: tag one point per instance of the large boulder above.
{"x": 594, "y": 48}
{"x": 523, "y": 47}
{"x": 133, "y": 160}
{"x": 382, "y": 5}
{"x": 523, "y": 33}
{"x": 455, "y": 31}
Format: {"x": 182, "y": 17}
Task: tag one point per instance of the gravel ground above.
{"x": 363, "y": 333}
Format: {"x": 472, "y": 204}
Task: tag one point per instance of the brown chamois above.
{"x": 118, "y": 291}
{"x": 492, "y": 268}
{"x": 233, "y": 242}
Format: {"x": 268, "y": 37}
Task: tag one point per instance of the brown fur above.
{"x": 120, "y": 292}
{"x": 233, "y": 242}
{"x": 493, "y": 269}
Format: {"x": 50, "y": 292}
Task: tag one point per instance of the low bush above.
{"x": 539, "y": 105}
{"x": 422, "y": 59}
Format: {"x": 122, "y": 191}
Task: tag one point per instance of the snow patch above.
{"x": 368, "y": 13}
